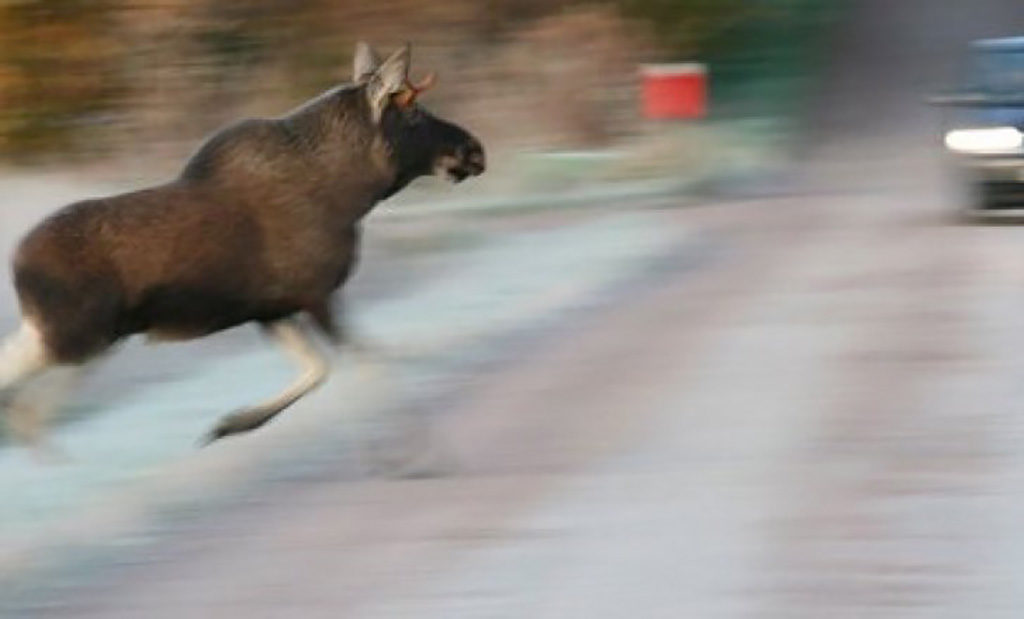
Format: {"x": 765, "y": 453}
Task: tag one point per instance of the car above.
{"x": 984, "y": 133}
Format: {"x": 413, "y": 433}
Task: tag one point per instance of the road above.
{"x": 807, "y": 405}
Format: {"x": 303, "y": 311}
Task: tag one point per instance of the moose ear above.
{"x": 364, "y": 63}
{"x": 391, "y": 77}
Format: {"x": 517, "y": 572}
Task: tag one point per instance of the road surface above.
{"x": 808, "y": 405}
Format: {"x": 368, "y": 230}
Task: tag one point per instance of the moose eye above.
{"x": 414, "y": 114}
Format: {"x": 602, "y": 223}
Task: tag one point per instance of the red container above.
{"x": 677, "y": 90}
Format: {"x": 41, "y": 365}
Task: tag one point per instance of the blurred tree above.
{"x": 58, "y": 71}
{"x": 170, "y": 70}
{"x": 760, "y": 51}
{"x": 695, "y": 27}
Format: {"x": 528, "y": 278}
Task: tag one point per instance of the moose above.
{"x": 261, "y": 226}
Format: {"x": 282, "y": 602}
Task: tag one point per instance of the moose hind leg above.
{"x": 34, "y": 405}
{"x": 23, "y": 356}
{"x": 297, "y": 344}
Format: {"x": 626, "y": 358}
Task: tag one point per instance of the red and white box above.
{"x": 675, "y": 90}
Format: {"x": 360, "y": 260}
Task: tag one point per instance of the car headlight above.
{"x": 988, "y": 140}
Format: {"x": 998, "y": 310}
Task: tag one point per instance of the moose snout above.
{"x": 464, "y": 160}
{"x": 472, "y": 158}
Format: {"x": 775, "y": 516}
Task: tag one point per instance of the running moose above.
{"x": 262, "y": 225}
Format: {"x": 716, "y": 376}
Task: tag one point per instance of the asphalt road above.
{"x": 802, "y": 406}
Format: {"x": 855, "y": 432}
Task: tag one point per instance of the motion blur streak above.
{"x": 791, "y": 390}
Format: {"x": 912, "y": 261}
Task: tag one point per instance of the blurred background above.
{"x": 747, "y": 360}
{"x": 83, "y": 80}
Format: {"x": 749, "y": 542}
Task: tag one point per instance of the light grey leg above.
{"x": 298, "y": 345}
{"x": 23, "y": 357}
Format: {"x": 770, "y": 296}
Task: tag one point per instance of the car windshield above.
{"x": 999, "y": 71}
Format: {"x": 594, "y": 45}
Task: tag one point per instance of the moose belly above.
{"x": 181, "y": 313}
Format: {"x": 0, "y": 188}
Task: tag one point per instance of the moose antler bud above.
{"x": 426, "y": 83}
{"x": 408, "y": 96}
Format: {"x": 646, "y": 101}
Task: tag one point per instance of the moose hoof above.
{"x": 213, "y": 435}
{"x": 235, "y": 423}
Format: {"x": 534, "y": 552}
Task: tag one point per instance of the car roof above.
{"x": 1004, "y": 44}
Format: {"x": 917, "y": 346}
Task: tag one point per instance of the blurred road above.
{"x": 803, "y": 406}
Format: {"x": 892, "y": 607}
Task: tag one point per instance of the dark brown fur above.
{"x": 261, "y": 224}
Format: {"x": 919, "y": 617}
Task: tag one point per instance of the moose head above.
{"x": 420, "y": 143}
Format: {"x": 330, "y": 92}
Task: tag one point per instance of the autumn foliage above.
{"x": 101, "y": 76}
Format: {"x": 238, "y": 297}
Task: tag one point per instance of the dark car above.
{"x": 985, "y": 130}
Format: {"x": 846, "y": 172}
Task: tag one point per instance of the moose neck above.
{"x": 337, "y": 130}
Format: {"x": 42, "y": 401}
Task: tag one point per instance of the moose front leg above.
{"x": 336, "y": 325}
{"x": 297, "y": 344}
